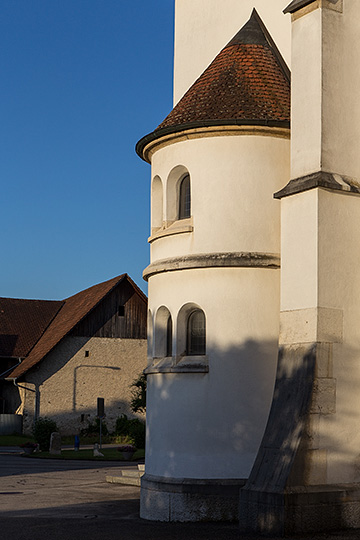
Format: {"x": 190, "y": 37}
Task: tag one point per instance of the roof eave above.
{"x": 169, "y": 130}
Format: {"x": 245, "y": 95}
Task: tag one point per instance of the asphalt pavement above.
{"x": 70, "y": 500}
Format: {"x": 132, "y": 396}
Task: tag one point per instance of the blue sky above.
{"x": 81, "y": 82}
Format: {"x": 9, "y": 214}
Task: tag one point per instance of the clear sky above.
{"x": 81, "y": 82}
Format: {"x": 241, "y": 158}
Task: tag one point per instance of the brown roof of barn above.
{"x": 73, "y": 310}
{"x": 22, "y": 322}
{"x": 248, "y": 83}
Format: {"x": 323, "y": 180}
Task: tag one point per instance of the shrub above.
{"x": 43, "y": 429}
{"x": 137, "y": 432}
{"x": 93, "y": 428}
{"x": 134, "y": 429}
{"x": 122, "y": 425}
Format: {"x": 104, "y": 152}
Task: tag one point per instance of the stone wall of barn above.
{"x": 69, "y": 380}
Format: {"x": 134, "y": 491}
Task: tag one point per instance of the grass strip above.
{"x": 110, "y": 454}
{"x": 14, "y": 440}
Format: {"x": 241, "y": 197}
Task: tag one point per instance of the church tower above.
{"x": 214, "y": 279}
{"x": 307, "y": 472}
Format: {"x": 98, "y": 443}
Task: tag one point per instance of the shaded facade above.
{"x": 294, "y": 446}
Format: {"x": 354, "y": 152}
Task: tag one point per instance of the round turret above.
{"x": 214, "y": 277}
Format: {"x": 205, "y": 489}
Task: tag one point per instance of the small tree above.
{"x": 138, "y": 400}
{"x": 43, "y": 428}
{"x": 134, "y": 429}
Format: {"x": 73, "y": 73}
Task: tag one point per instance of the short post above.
{"x": 100, "y": 414}
{"x": 100, "y": 433}
{"x": 77, "y": 443}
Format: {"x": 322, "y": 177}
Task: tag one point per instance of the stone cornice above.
{"x": 309, "y": 5}
{"x": 213, "y": 260}
{"x": 321, "y": 179}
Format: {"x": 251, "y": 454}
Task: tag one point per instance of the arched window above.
{"x": 196, "y": 333}
{"x": 169, "y": 337}
{"x": 163, "y": 333}
{"x": 150, "y": 351}
{"x": 156, "y": 203}
{"x": 184, "y": 198}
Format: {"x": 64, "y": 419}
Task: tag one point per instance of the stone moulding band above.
{"x": 186, "y": 364}
{"x": 214, "y": 260}
{"x": 159, "y": 139}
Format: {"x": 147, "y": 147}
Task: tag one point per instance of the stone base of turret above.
{"x": 169, "y": 499}
{"x": 300, "y": 510}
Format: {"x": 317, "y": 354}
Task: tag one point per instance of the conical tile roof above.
{"x": 248, "y": 83}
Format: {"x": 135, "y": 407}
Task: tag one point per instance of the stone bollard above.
{"x": 55, "y": 443}
{"x": 97, "y": 453}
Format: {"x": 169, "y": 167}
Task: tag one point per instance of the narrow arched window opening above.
{"x": 169, "y": 337}
{"x": 156, "y": 203}
{"x": 184, "y": 198}
{"x": 196, "y": 333}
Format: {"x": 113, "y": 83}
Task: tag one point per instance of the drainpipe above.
{"x": 13, "y": 379}
{"x": 10, "y": 369}
{"x": 19, "y": 385}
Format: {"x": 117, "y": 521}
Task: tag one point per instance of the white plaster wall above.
{"x": 204, "y": 27}
{"x": 341, "y": 78}
{"x": 233, "y": 179}
{"x": 339, "y": 287}
{"x": 306, "y": 94}
{"x": 209, "y": 425}
{"x": 70, "y": 383}
{"x": 325, "y": 107}
{"x": 299, "y": 251}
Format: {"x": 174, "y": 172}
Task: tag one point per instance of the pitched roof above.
{"x": 22, "y": 322}
{"x": 73, "y": 310}
{"x": 247, "y": 83}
